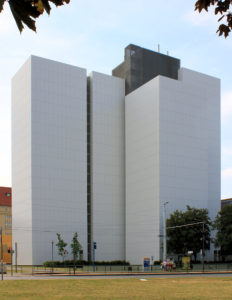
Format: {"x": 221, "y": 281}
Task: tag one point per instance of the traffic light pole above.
{"x": 94, "y": 248}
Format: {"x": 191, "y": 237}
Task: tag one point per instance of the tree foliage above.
{"x": 223, "y": 225}
{"x": 189, "y": 238}
{"x": 75, "y": 246}
{"x": 26, "y": 11}
{"x": 222, "y": 7}
{"x": 61, "y": 245}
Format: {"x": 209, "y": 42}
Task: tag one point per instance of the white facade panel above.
{"x": 142, "y": 173}
{"x": 58, "y": 156}
{"x": 21, "y": 163}
{"x": 107, "y": 96}
{"x": 208, "y": 88}
{"x": 183, "y": 167}
{"x": 190, "y": 142}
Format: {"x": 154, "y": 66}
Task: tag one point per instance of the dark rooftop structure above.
{"x": 141, "y": 65}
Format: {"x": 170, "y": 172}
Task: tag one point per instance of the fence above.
{"x": 69, "y": 270}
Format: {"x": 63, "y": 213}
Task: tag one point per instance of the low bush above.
{"x": 68, "y": 263}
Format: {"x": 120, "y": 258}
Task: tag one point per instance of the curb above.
{"x": 129, "y": 274}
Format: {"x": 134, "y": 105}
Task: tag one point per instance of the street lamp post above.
{"x": 203, "y": 246}
{"x": 52, "y": 257}
{"x": 164, "y": 232}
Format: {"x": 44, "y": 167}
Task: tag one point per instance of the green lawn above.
{"x": 120, "y": 289}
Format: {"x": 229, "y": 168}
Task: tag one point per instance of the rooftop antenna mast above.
{"x": 159, "y": 48}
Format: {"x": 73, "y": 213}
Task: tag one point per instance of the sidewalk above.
{"x": 91, "y": 275}
{"x": 128, "y": 273}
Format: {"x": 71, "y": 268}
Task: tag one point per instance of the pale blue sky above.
{"x": 93, "y": 35}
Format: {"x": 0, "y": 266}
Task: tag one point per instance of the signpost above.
{"x": 186, "y": 260}
{"x": 146, "y": 263}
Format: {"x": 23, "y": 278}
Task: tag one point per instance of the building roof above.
{"x": 5, "y": 196}
{"x": 224, "y": 202}
{"x": 228, "y": 199}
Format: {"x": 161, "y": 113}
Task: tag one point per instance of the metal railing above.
{"x": 80, "y": 269}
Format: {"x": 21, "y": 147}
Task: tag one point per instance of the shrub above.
{"x": 68, "y": 263}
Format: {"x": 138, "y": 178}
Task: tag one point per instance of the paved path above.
{"x": 118, "y": 276}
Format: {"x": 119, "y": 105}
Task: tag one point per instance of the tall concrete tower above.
{"x": 49, "y": 161}
{"x": 99, "y": 155}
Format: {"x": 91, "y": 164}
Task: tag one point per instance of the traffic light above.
{"x": 9, "y": 250}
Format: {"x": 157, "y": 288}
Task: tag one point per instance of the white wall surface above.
{"x": 180, "y": 121}
{"x": 108, "y": 166}
{"x": 210, "y": 90}
{"x": 190, "y": 141}
{"x": 21, "y": 163}
{"x": 58, "y": 156}
{"x": 142, "y": 173}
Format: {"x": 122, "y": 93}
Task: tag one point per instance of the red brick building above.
{"x": 6, "y": 221}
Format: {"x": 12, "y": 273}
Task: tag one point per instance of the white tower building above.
{"x": 100, "y": 155}
{"x": 49, "y": 157}
{"x": 172, "y": 154}
{"x": 107, "y": 147}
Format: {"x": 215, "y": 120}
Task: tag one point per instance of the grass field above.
{"x": 120, "y": 289}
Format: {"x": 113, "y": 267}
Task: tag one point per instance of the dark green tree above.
{"x": 61, "y": 246}
{"x": 222, "y": 8}
{"x": 26, "y": 11}
{"x": 76, "y": 249}
{"x": 223, "y": 225}
{"x": 188, "y": 238}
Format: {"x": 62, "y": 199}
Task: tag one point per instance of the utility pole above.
{"x": 1, "y": 253}
{"x": 164, "y": 232}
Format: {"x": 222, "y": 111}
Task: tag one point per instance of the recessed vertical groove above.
{"x": 89, "y": 175}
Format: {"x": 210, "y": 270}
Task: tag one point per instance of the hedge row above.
{"x": 67, "y": 263}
